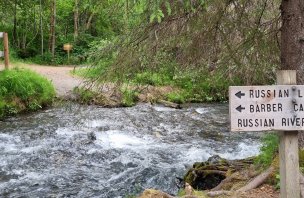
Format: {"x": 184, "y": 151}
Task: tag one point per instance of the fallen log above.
{"x": 224, "y": 182}
{"x": 258, "y": 180}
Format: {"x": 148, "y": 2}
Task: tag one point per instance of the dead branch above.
{"x": 257, "y": 181}
{"x": 220, "y": 186}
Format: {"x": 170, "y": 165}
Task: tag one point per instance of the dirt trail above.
{"x": 60, "y": 76}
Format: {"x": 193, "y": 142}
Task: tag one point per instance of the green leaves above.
{"x": 158, "y": 15}
{"x": 268, "y": 149}
{"x": 168, "y": 6}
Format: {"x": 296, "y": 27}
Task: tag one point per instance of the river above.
{"x": 88, "y": 151}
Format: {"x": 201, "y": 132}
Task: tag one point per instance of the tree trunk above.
{"x": 89, "y": 22}
{"x": 52, "y": 38}
{"x": 41, "y": 29}
{"x": 257, "y": 181}
{"x": 15, "y": 24}
{"x": 76, "y": 20}
{"x": 292, "y": 41}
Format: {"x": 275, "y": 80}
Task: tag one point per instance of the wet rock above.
{"x": 92, "y": 136}
{"x": 103, "y": 128}
{"x": 151, "y": 193}
{"x": 6, "y": 177}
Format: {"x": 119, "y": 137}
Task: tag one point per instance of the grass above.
{"x": 23, "y": 90}
{"x": 268, "y": 150}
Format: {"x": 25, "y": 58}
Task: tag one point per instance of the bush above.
{"x": 23, "y": 90}
{"x": 177, "y": 97}
{"x": 129, "y": 97}
{"x": 85, "y": 96}
{"x": 269, "y": 149}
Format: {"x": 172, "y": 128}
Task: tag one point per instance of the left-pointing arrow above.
{"x": 239, "y": 94}
{"x": 240, "y": 108}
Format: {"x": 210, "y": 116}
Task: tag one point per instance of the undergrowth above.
{"x": 268, "y": 150}
{"x": 191, "y": 86}
{"x": 129, "y": 97}
{"x": 23, "y": 90}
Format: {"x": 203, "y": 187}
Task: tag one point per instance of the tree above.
{"x": 52, "y": 37}
{"x": 292, "y": 38}
{"x": 292, "y": 41}
{"x": 76, "y": 19}
{"x": 41, "y": 27}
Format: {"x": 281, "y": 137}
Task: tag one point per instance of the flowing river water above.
{"x": 87, "y": 151}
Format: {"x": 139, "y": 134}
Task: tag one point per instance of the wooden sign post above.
{"x": 68, "y": 47}
{"x": 6, "y": 50}
{"x": 289, "y": 148}
{"x": 5, "y": 53}
{"x": 273, "y": 108}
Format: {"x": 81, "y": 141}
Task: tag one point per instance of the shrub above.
{"x": 129, "y": 97}
{"x": 177, "y": 97}
{"x": 269, "y": 149}
{"x": 23, "y": 90}
{"x": 85, "y": 96}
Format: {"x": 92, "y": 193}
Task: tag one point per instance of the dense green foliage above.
{"x": 23, "y": 90}
{"x": 29, "y": 26}
{"x": 198, "y": 46}
{"x": 201, "y": 50}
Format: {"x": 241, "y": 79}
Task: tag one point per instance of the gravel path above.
{"x": 60, "y": 76}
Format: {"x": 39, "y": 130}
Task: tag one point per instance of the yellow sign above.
{"x": 67, "y": 47}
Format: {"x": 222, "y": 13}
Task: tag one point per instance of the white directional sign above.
{"x": 1, "y": 34}
{"x": 265, "y": 108}
{"x": 1, "y": 53}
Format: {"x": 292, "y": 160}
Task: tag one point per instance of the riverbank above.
{"x": 61, "y": 77}
{"x": 22, "y": 90}
{"x": 69, "y": 86}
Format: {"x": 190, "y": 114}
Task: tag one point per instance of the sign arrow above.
{"x": 240, "y": 108}
{"x": 239, "y": 94}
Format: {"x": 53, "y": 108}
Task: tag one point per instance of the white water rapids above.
{"x": 87, "y": 151}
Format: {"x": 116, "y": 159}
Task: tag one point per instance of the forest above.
{"x": 199, "y": 46}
